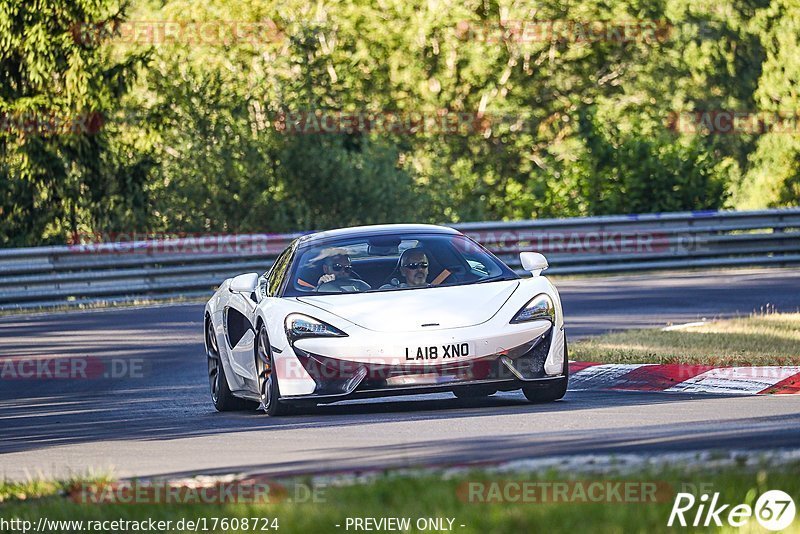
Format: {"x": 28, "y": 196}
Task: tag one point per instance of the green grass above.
{"x": 435, "y": 496}
{"x": 761, "y": 339}
{"x": 36, "y": 488}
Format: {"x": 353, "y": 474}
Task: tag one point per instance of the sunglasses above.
{"x": 340, "y": 267}
{"x": 417, "y": 265}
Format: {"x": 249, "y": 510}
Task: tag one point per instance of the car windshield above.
{"x": 393, "y": 263}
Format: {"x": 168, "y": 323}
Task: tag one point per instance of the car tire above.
{"x": 474, "y": 392}
{"x": 268, "y": 379}
{"x": 221, "y": 395}
{"x": 552, "y": 391}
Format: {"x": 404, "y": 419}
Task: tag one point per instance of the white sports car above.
{"x": 380, "y": 311}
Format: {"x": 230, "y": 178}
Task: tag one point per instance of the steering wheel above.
{"x": 344, "y": 285}
{"x": 395, "y": 274}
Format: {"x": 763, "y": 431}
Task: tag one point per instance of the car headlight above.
{"x": 299, "y": 326}
{"x": 540, "y": 307}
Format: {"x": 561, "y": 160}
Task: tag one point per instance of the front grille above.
{"x": 333, "y": 376}
{"x": 531, "y": 364}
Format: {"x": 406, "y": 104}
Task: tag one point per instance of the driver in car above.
{"x": 414, "y": 268}
{"x": 338, "y": 274}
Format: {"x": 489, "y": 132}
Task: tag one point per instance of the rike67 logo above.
{"x": 774, "y": 510}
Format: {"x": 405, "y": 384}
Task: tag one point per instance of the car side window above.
{"x": 277, "y": 273}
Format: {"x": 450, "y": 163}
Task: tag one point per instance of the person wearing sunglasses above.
{"x": 413, "y": 267}
{"x": 338, "y": 276}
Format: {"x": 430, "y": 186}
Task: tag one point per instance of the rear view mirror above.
{"x": 244, "y": 283}
{"x": 533, "y": 262}
{"x": 383, "y": 246}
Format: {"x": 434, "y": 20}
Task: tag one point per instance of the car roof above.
{"x": 374, "y": 230}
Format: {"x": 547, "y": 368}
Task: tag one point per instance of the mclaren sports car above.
{"x": 380, "y": 311}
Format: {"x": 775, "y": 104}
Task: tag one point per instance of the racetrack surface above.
{"x": 162, "y": 423}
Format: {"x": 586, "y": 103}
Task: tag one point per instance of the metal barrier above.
{"x": 189, "y": 267}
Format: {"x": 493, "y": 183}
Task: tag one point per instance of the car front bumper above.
{"x": 337, "y": 379}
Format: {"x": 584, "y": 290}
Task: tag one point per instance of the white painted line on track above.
{"x": 739, "y": 380}
{"x": 683, "y": 326}
{"x": 598, "y": 376}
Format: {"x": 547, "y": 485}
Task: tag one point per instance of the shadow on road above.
{"x": 159, "y": 413}
{"x": 738, "y": 435}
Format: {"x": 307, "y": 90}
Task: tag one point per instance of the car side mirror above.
{"x": 244, "y": 283}
{"x": 533, "y": 262}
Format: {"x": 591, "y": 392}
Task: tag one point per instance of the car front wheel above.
{"x": 268, "y": 377}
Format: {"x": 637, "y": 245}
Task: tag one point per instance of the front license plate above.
{"x": 449, "y": 351}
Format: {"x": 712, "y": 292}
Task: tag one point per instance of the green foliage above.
{"x": 773, "y": 176}
{"x": 56, "y": 179}
{"x": 572, "y": 126}
{"x": 632, "y": 173}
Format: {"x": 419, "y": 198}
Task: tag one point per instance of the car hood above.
{"x": 410, "y": 309}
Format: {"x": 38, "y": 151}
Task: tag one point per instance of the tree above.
{"x": 58, "y": 171}
{"x": 773, "y": 176}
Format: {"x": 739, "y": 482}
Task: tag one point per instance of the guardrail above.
{"x": 188, "y": 267}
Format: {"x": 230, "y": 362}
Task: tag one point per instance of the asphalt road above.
{"x": 157, "y": 420}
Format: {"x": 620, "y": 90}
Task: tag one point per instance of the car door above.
{"x": 240, "y": 317}
{"x": 237, "y": 318}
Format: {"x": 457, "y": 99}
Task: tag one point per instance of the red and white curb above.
{"x": 685, "y": 378}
